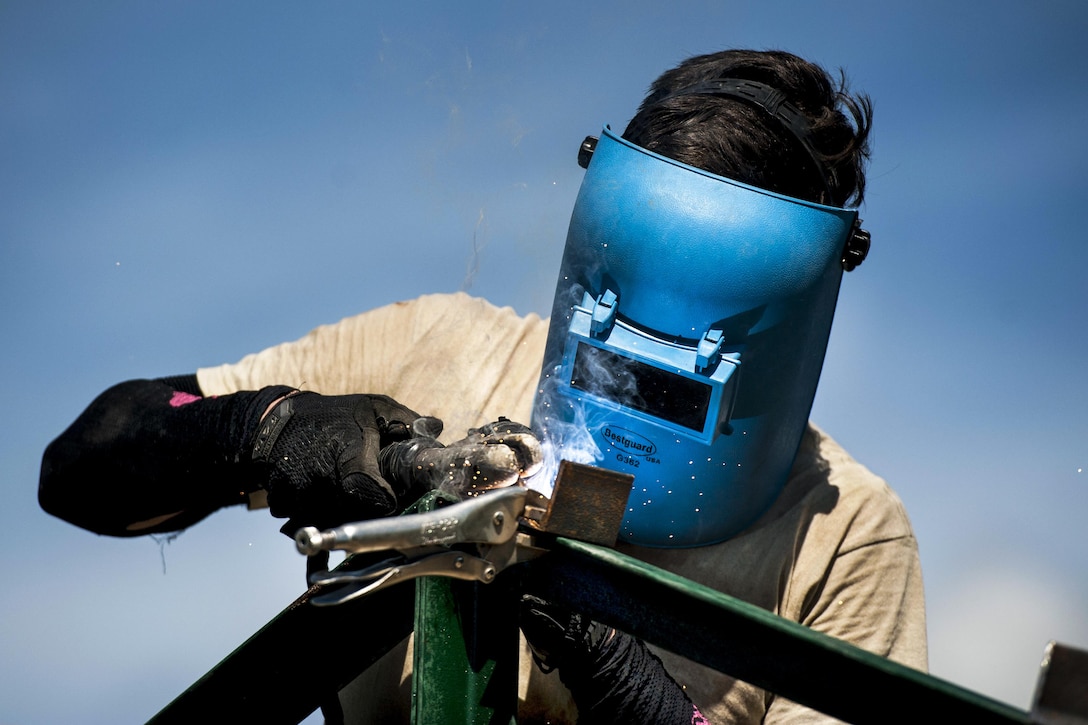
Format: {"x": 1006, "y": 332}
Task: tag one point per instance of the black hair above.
{"x": 740, "y": 140}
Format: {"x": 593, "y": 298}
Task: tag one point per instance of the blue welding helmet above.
{"x": 688, "y": 331}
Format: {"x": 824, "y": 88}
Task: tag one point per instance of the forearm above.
{"x": 626, "y": 683}
{"x": 612, "y": 676}
{"x": 146, "y": 457}
{"x": 155, "y": 455}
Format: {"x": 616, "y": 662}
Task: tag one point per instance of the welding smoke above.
{"x": 561, "y": 423}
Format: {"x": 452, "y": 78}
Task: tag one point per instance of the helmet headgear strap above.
{"x": 774, "y": 102}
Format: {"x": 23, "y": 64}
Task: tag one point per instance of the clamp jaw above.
{"x": 491, "y": 531}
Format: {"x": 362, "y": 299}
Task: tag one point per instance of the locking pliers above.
{"x": 491, "y": 531}
{"x": 420, "y": 543}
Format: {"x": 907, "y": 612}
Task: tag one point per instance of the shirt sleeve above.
{"x": 870, "y": 593}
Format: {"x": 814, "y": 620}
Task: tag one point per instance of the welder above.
{"x": 691, "y": 317}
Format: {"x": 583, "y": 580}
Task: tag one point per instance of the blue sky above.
{"x": 185, "y": 183}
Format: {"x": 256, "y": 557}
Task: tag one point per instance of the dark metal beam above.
{"x": 752, "y": 644}
{"x": 307, "y": 653}
{"x": 297, "y": 661}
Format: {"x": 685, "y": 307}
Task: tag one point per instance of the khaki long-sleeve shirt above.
{"x": 836, "y": 551}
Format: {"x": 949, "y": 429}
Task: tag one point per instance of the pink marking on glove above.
{"x": 697, "y": 717}
{"x": 181, "y": 399}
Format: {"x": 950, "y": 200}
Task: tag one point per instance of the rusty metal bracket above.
{"x": 587, "y": 504}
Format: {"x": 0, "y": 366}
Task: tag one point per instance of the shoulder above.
{"x": 455, "y": 309}
{"x": 458, "y": 357}
{"x": 443, "y": 302}
{"x": 371, "y": 350}
{"x": 443, "y": 322}
{"x": 863, "y": 506}
{"x": 831, "y": 507}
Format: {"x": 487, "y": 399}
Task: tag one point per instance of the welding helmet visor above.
{"x": 689, "y": 326}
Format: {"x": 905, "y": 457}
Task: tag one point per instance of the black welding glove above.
{"x": 492, "y": 456}
{"x": 147, "y": 457}
{"x": 319, "y": 454}
{"x": 612, "y": 676}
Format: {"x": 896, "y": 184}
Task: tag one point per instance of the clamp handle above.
{"x": 489, "y": 518}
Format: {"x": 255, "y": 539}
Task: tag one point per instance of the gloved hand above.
{"x": 320, "y": 457}
{"x": 148, "y": 456}
{"x": 612, "y": 676}
{"x": 492, "y": 456}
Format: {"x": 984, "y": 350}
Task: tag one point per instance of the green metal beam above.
{"x": 750, "y": 643}
{"x": 466, "y": 667}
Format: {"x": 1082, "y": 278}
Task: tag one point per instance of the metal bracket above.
{"x": 1061, "y": 693}
{"x": 587, "y": 504}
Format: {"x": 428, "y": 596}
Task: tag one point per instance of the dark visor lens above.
{"x": 642, "y": 387}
